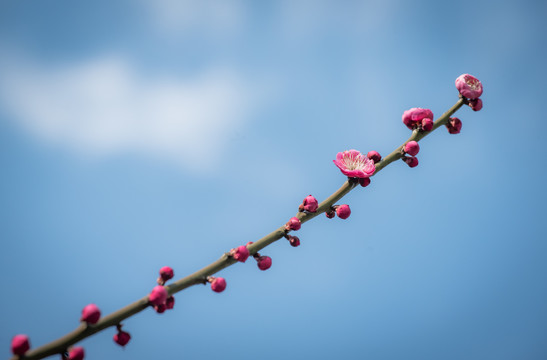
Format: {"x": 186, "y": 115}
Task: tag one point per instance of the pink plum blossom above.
{"x": 412, "y": 148}
{"x": 411, "y": 161}
{"x": 374, "y": 156}
{"x": 469, "y": 86}
{"x": 454, "y": 125}
{"x": 217, "y": 284}
{"x": 264, "y": 262}
{"x": 90, "y": 314}
{"x": 241, "y": 253}
{"x": 158, "y": 295}
{"x": 77, "y": 353}
{"x": 414, "y": 117}
{"x": 293, "y": 224}
{"x": 122, "y": 338}
{"x": 475, "y": 104}
{"x": 354, "y": 164}
{"x": 20, "y": 344}
{"x": 309, "y": 204}
{"x": 343, "y": 211}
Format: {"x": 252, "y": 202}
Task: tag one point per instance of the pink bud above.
{"x": 294, "y": 240}
{"x": 364, "y": 182}
{"x": 264, "y": 262}
{"x": 454, "y": 125}
{"x": 158, "y": 295}
{"x": 374, "y": 156}
{"x": 241, "y": 253}
{"x": 343, "y": 211}
{"x": 166, "y": 273}
{"x": 170, "y": 302}
{"x": 310, "y": 204}
{"x": 77, "y": 353}
{"x": 20, "y": 344}
{"x": 475, "y": 104}
{"x": 90, "y": 314}
{"x": 217, "y": 284}
{"x": 469, "y": 86}
{"x": 122, "y": 338}
{"x": 412, "y": 148}
{"x": 411, "y": 161}
{"x": 427, "y": 124}
{"x": 293, "y": 224}
{"x": 330, "y": 214}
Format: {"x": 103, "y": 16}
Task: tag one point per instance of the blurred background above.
{"x": 138, "y": 134}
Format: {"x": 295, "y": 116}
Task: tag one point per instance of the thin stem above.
{"x": 200, "y": 277}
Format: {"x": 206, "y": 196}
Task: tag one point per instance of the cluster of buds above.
{"x": 411, "y": 148}
{"x": 159, "y": 297}
{"x": 343, "y": 211}
{"x": 418, "y": 118}
{"x": 470, "y": 89}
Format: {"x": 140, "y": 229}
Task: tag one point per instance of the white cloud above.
{"x": 104, "y": 107}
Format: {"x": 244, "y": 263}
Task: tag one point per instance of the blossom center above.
{"x": 474, "y": 84}
{"x": 354, "y": 163}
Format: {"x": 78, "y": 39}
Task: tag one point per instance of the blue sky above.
{"x": 139, "y": 134}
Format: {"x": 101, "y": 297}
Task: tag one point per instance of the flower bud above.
{"x": 331, "y": 213}
{"x": 122, "y": 338}
{"x": 343, "y": 211}
{"x": 454, "y": 125}
{"x": 241, "y": 253}
{"x": 77, "y": 353}
{"x": 20, "y": 344}
{"x": 427, "y": 124}
{"x": 413, "y": 117}
{"x": 158, "y": 295}
{"x": 412, "y": 148}
{"x": 475, "y": 104}
{"x": 374, "y": 156}
{"x": 264, "y": 262}
{"x": 293, "y": 240}
{"x": 217, "y": 284}
{"x": 170, "y": 302}
{"x": 469, "y": 86}
{"x": 166, "y": 273}
{"x": 293, "y": 224}
{"x": 310, "y": 204}
{"x": 411, "y": 161}
{"x": 364, "y": 182}
{"x": 160, "y": 309}
{"x": 90, "y": 314}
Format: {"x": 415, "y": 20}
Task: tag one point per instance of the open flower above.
{"x": 354, "y": 164}
{"x": 469, "y": 86}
